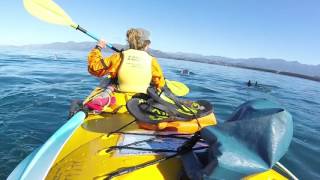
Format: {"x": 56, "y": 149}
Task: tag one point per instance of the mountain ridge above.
{"x": 275, "y": 65}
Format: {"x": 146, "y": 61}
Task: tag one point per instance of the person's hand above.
{"x": 102, "y": 43}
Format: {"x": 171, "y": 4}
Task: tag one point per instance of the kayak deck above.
{"x": 85, "y": 156}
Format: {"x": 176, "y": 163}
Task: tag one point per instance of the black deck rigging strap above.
{"x": 178, "y": 136}
{"x": 186, "y": 147}
{"x": 142, "y": 149}
{"x": 121, "y": 128}
{"x": 111, "y": 148}
{"x": 155, "y": 136}
{"x": 134, "y": 168}
{"x": 151, "y": 150}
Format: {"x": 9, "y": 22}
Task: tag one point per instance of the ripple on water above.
{"x": 35, "y": 98}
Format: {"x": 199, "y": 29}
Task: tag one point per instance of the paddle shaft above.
{"x": 81, "y": 29}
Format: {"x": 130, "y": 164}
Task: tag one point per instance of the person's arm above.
{"x": 157, "y": 75}
{"x": 99, "y": 66}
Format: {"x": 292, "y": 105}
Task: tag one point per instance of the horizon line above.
{"x": 228, "y": 57}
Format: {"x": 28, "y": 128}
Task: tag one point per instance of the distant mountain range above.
{"x": 280, "y": 66}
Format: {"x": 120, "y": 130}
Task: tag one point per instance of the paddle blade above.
{"x": 177, "y": 88}
{"x": 48, "y": 11}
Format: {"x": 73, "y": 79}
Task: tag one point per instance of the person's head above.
{"x": 138, "y": 39}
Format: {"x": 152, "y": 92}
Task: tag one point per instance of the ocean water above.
{"x": 37, "y": 88}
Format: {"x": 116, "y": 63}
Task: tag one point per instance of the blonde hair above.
{"x": 135, "y": 39}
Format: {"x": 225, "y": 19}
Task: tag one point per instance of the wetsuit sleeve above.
{"x": 99, "y": 66}
{"x": 157, "y": 75}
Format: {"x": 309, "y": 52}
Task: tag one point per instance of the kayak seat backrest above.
{"x": 254, "y": 109}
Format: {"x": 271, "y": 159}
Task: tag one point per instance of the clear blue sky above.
{"x": 288, "y": 29}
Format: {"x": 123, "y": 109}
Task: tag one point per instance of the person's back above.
{"x": 134, "y": 68}
{"x": 135, "y": 71}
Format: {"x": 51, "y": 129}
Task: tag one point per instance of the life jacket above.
{"x": 135, "y": 71}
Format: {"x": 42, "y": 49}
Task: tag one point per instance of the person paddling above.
{"x": 134, "y": 68}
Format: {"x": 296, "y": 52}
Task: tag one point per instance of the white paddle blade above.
{"x": 48, "y": 11}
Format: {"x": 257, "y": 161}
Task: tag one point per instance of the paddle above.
{"x": 50, "y": 12}
{"x": 177, "y": 88}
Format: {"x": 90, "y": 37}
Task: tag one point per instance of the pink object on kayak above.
{"x": 98, "y": 103}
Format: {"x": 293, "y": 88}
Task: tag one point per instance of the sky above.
{"x": 286, "y": 29}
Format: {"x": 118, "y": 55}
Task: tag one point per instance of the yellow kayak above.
{"x": 84, "y": 148}
{"x": 85, "y": 156}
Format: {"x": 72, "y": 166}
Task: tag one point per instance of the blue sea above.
{"x": 37, "y": 87}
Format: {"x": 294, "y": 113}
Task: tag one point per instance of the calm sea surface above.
{"x": 36, "y": 88}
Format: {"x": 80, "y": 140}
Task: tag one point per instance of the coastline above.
{"x": 217, "y": 60}
{"x": 312, "y": 78}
